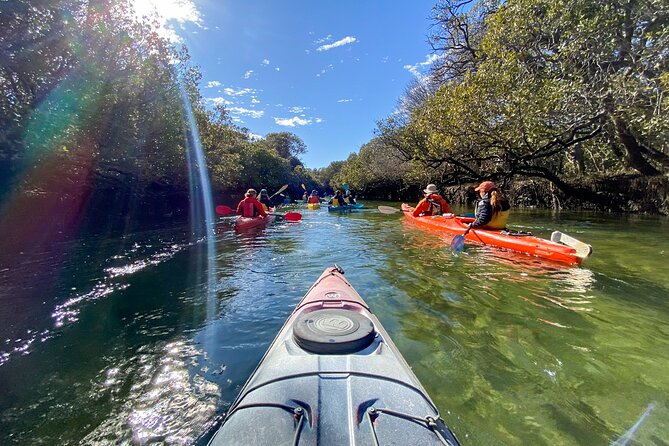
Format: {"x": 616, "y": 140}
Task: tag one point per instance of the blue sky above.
{"x": 325, "y": 71}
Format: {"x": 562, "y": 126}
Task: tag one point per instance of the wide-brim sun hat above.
{"x": 431, "y": 189}
{"x": 486, "y": 186}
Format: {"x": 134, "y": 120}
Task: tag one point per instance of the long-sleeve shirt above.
{"x": 250, "y": 207}
{"x": 433, "y": 201}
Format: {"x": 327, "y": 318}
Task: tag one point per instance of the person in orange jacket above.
{"x": 432, "y": 204}
{"x": 313, "y": 198}
{"x": 250, "y": 206}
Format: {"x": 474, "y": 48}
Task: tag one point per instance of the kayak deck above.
{"x": 333, "y": 377}
{"x": 527, "y": 244}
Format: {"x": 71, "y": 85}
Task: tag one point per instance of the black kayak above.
{"x": 333, "y": 377}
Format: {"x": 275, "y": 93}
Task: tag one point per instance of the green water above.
{"x": 130, "y": 340}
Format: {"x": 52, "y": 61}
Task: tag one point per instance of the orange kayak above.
{"x": 499, "y": 238}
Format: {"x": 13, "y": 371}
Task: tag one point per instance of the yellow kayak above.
{"x": 313, "y": 206}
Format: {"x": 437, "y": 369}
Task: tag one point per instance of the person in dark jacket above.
{"x": 264, "y": 199}
{"x": 492, "y": 211}
{"x": 249, "y": 206}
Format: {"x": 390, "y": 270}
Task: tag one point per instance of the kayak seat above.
{"x": 333, "y": 331}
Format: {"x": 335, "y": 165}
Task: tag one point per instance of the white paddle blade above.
{"x": 388, "y": 210}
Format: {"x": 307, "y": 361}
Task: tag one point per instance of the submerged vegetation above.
{"x": 565, "y": 97}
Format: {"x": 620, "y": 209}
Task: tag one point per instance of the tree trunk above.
{"x": 633, "y": 156}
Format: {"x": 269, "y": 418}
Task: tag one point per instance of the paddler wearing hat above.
{"x": 492, "y": 211}
{"x": 432, "y": 203}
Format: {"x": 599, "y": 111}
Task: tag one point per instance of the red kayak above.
{"x": 245, "y": 223}
{"x": 500, "y": 238}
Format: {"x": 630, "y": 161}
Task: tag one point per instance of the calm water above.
{"x": 117, "y": 341}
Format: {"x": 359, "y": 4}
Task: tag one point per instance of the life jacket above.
{"x": 313, "y": 199}
{"x": 249, "y": 208}
{"x": 435, "y": 204}
{"x": 498, "y": 220}
{"x": 338, "y": 201}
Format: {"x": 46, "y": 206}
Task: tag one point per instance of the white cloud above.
{"x": 345, "y": 41}
{"x": 325, "y": 70}
{"x": 212, "y": 84}
{"x": 239, "y": 92}
{"x": 318, "y": 120}
{"x": 246, "y": 112}
{"x": 345, "y": 100}
{"x": 292, "y": 122}
{"x": 297, "y": 110}
{"x": 218, "y": 101}
{"x": 254, "y": 100}
{"x": 254, "y": 136}
{"x": 277, "y": 68}
{"x": 322, "y": 40}
{"x": 265, "y": 61}
{"x": 180, "y": 11}
{"x": 248, "y": 74}
{"x": 415, "y": 69}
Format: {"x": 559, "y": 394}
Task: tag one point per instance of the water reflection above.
{"x": 513, "y": 350}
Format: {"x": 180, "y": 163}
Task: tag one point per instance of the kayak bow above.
{"x": 333, "y": 377}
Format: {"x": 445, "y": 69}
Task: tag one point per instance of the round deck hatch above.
{"x": 333, "y": 331}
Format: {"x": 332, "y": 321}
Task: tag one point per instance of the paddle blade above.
{"x": 293, "y": 216}
{"x": 222, "y": 209}
{"x": 458, "y": 243}
{"x": 284, "y": 187}
{"x": 388, "y": 210}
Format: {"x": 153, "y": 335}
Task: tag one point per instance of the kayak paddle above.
{"x": 388, "y": 210}
{"x": 458, "y": 242}
{"x": 289, "y": 216}
{"x": 284, "y": 187}
{"x": 222, "y": 209}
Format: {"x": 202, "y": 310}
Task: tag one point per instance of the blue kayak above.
{"x": 331, "y": 377}
{"x": 347, "y": 208}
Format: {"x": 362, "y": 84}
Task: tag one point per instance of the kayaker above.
{"x": 350, "y": 197}
{"x": 432, "y": 204}
{"x": 313, "y": 198}
{"x": 492, "y": 211}
{"x": 337, "y": 200}
{"x": 264, "y": 199}
{"x": 250, "y": 206}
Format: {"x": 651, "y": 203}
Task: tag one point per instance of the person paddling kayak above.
{"x": 264, "y": 199}
{"x": 250, "y": 207}
{"x": 432, "y": 203}
{"x": 492, "y": 211}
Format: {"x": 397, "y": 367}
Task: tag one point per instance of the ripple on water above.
{"x": 166, "y": 402}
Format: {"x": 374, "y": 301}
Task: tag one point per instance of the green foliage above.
{"x": 559, "y": 90}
